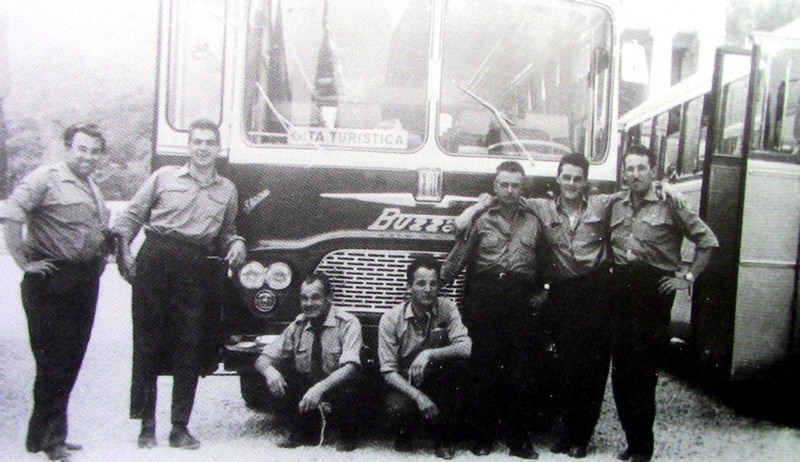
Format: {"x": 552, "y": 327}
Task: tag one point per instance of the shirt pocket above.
{"x": 330, "y": 357}
{"x": 214, "y": 205}
{"x": 302, "y": 358}
{"x": 491, "y": 241}
{"x": 176, "y": 197}
{"x": 591, "y": 230}
{"x": 656, "y": 225}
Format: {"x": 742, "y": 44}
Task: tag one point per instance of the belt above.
{"x": 505, "y": 277}
{"x": 177, "y": 244}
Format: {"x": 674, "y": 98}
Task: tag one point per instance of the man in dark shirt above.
{"x": 646, "y": 237}
{"x": 501, "y": 258}
{"x": 423, "y": 347}
{"x": 313, "y": 364}
{"x": 188, "y": 213}
{"x": 62, "y": 255}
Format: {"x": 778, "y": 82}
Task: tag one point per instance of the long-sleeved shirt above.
{"x": 65, "y": 216}
{"x": 173, "y": 203}
{"x": 652, "y": 234}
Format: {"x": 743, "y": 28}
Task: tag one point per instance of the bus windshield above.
{"x": 346, "y": 73}
{"x": 539, "y": 69}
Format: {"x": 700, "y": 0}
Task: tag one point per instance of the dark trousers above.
{"x": 345, "y": 401}
{"x": 641, "y": 327}
{"x": 60, "y": 308}
{"x": 508, "y": 357}
{"x": 580, "y": 311}
{"x": 171, "y": 314}
{"x": 444, "y": 384}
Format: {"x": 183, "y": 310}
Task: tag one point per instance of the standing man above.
{"x": 62, "y": 253}
{"x": 498, "y": 310}
{"x": 313, "y": 364}
{"x": 423, "y": 347}
{"x": 646, "y": 236}
{"x": 188, "y": 213}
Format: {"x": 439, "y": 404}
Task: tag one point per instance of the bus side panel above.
{"x": 714, "y": 297}
{"x": 690, "y": 190}
{"x": 767, "y": 271}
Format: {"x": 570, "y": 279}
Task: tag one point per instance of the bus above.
{"x": 356, "y": 130}
{"x": 731, "y": 144}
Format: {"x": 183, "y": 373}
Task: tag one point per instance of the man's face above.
{"x": 84, "y": 155}
{"x": 571, "y": 182}
{"x": 425, "y": 287}
{"x": 203, "y": 147}
{"x": 313, "y": 301}
{"x": 508, "y": 187}
{"x": 638, "y": 173}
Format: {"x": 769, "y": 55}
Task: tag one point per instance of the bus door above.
{"x": 744, "y": 306}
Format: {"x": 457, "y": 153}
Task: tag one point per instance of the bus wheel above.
{"x": 254, "y": 391}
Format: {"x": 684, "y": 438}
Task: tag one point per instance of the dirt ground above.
{"x": 690, "y": 424}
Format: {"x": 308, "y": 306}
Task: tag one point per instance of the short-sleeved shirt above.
{"x": 64, "y": 215}
{"x": 402, "y": 335}
{"x": 652, "y": 234}
{"x": 500, "y": 245}
{"x": 341, "y": 342}
{"x": 575, "y": 248}
{"x": 173, "y": 203}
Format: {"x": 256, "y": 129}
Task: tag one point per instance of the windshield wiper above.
{"x": 505, "y": 122}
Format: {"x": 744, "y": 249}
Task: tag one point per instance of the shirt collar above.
{"x": 408, "y": 312}
{"x": 184, "y": 171}
{"x": 584, "y": 203}
{"x": 522, "y": 207}
{"x": 649, "y": 196}
{"x": 330, "y": 319}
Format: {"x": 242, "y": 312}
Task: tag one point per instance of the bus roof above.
{"x": 685, "y": 90}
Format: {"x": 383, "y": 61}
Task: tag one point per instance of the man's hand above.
{"x": 485, "y": 200}
{"x": 42, "y": 267}
{"x": 126, "y": 265}
{"x": 427, "y": 408}
{"x": 236, "y": 254}
{"x": 275, "y": 382}
{"x": 311, "y": 399}
{"x": 671, "y": 284}
{"x": 537, "y": 300}
{"x": 416, "y": 373}
{"x": 668, "y": 194}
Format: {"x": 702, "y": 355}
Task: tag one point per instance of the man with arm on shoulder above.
{"x": 55, "y": 224}
{"x": 646, "y": 237}
{"x": 314, "y": 361}
{"x": 188, "y": 213}
{"x": 423, "y": 347}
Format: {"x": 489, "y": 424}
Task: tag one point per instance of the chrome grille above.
{"x": 375, "y": 280}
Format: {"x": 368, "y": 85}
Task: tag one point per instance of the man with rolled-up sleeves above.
{"x": 62, "y": 254}
{"x": 188, "y": 213}
{"x": 646, "y": 237}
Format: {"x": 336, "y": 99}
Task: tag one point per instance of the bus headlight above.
{"x": 265, "y": 301}
{"x": 278, "y": 276}
{"x": 252, "y": 275}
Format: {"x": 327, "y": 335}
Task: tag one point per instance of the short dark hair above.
{"x": 91, "y": 130}
{"x": 323, "y": 279}
{"x": 424, "y": 261}
{"x": 204, "y": 124}
{"x": 639, "y": 150}
{"x": 574, "y": 158}
{"x": 511, "y": 166}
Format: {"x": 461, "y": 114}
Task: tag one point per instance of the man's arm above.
{"x": 426, "y": 406}
{"x": 130, "y": 221}
{"x": 314, "y": 395}
{"x": 236, "y": 251}
{"x": 701, "y": 258}
{"x": 464, "y": 221}
{"x": 275, "y": 381}
{"x": 17, "y": 249}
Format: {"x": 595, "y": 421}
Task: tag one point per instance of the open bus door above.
{"x": 744, "y": 307}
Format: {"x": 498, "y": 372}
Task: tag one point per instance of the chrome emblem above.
{"x": 429, "y": 185}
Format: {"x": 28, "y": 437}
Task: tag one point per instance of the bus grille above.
{"x": 375, "y": 280}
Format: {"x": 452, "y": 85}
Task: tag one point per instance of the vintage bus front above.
{"x": 355, "y": 130}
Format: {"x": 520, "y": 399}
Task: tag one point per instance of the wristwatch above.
{"x": 689, "y": 276}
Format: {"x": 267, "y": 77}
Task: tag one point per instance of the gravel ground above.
{"x": 690, "y": 424}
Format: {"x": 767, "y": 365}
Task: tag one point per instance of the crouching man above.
{"x": 311, "y": 368}
{"x": 423, "y": 347}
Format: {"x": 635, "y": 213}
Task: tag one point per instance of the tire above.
{"x": 254, "y": 391}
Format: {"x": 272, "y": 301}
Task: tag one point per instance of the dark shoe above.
{"x": 445, "y": 451}
{"x": 181, "y": 438}
{"x": 147, "y": 440}
{"x": 73, "y": 446}
{"x": 523, "y": 451}
{"x": 560, "y": 447}
{"x": 403, "y": 442}
{"x": 57, "y": 452}
{"x": 296, "y": 440}
{"x": 624, "y": 455}
{"x": 349, "y": 444}
{"x": 633, "y": 456}
{"x": 482, "y": 448}
{"x": 577, "y": 452}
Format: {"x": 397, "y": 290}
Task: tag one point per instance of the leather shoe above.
{"x": 560, "y": 447}
{"x": 577, "y": 452}
{"x": 181, "y": 438}
{"x": 403, "y": 443}
{"x": 445, "y": 451}
{"x": 347, "y": 445}
{"x": 147, "y": 440}
{"x": 296, "y": 439}
{"x": 523, "y": 451}
{"x": 57, "y": 452}
{"x": 482, "y": 448}
{"x": 627, "y": 454}
{"x": 73, "y": 446}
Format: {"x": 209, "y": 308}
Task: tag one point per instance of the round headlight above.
{"x": 252, "y": 275}
{"x": 265, "y": 301}
{"x": 279, "y": 276}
